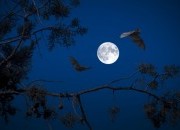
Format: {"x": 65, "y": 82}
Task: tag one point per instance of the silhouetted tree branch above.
{"x": 19, "y": 37}
{"x": 35, "y": 92}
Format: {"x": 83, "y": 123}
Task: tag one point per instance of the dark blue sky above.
{"x": 106, "y": 20}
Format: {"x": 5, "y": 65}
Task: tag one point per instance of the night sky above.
{"x": 106, "y": 20}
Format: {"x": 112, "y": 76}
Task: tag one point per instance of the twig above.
{"x": 13, "y": 53}
{"x": 9, "y": 40}
{"x": 10, "y": 92}
{"x": 154, "y": 79}
{"x": 83, "y": 113}
{"x": 122, "y": 78}
{"x": 43, "y": 80}
{"x": 37, "y": 11}
{"x": 73, "y": 104}
{"x": 117, "y": 89}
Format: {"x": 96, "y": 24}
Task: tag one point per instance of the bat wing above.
{"x": 77, "y": 66}
{"x": 82, "y": 68}
{"x": 126, "y": 34}
{"x": 137, "y": 39}
{"x": 73, "y": 61}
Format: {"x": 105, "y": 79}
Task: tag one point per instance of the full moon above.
{"x": 108, "y": 53}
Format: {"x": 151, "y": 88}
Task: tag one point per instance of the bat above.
{"x": 76, "y": 65}
{"x": 135, "y": 36}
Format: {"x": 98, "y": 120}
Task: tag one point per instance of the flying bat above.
{"x": 76, "y": 65}
{"x": 135, "y": 36}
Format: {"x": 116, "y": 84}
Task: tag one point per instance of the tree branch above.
{"x": 12, "y": 54}
{"x": 15, "y": 49}
{"x": 91, "y": 90}
{"x": 19, "y": 37}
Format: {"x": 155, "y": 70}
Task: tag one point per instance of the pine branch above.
{"x": 78, "y": 94}
{"x": 87, "y": 91}
{"x": 37, "y": 95}
{"x": 19, "y": 37}
{"x": 15, "y": 49}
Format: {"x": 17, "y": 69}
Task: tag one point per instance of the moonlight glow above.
{"x": 108, "y": 53}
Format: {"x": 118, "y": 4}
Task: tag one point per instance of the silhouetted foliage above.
{"x": 171, "y": 71}
{"x": 63, "y": 35}
{"x": 147, "y": 69}
{"x": 166, "y": 111}
{"x": 6, "y": 109}
{"x": 7, "y": 23}
{"x": 113, "y": 112}
{"x": 26, "y": 18}
{"x": 17, "y": 67}
{"x": 153, "y": 84}
{"x": 69, "y": 120}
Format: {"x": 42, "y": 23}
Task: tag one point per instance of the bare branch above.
{"x": 123, "y": 78}
{"x": 43, "y": 80}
